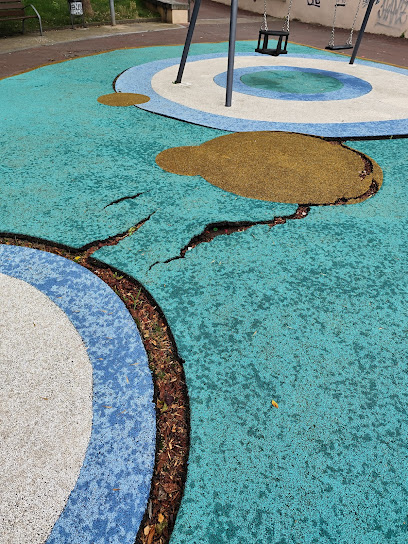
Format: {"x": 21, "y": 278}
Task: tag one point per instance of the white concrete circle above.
{"x": 386, "y": 102}
{"x": 46, "y": 411}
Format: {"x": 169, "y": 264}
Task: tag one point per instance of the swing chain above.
{"x": 264, "y": 25}
{"x": 285, "y": 27}
{"x": 331, "y": 41}
{"x": 350, "y": 39}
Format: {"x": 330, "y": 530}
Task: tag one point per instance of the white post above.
{"x": 112, "y": 12}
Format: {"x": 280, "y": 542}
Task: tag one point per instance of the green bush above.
{"x": 55, "y": 14}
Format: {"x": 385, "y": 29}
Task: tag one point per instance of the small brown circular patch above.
{"x": 123, "y": 99}
{"x": 277, "y": 166}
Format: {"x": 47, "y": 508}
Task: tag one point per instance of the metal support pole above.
{"x": 188, "y": 40}
{"x": 362, "y": 29}
{"x": 231, "y": 51}
{"x": 112, "y": 12}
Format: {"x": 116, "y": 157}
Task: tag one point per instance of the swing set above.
{"x": 349, "y": 44}
{"x": 265, "y": 33}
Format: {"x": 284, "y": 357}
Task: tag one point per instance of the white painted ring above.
{"x": 204, "y": 94}
{"x": 381, "y": 111}
{"x": 46, "y": 411}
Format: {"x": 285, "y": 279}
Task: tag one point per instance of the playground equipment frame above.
{"x": 232, "y": 39}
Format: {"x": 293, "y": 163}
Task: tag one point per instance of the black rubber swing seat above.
{"x": 278, "y": 50}
{"x": 339, "y": 47}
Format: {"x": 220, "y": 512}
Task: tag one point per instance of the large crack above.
{"x": 122, "y": 199}
{"x": 212, "y": 230}
{"x": 113, "y": 240}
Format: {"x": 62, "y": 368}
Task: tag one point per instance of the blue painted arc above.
{"x": 351, "y": 86}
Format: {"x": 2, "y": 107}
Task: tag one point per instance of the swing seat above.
{"x": 278, "y": 50}
{"x": 339, "y": 47}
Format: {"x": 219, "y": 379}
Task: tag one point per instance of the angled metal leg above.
{"x": 188, "y": 40}
{"x": 39, "y": 19}
{"x": 362, "y": 29}
{"x": 231, "y": 51}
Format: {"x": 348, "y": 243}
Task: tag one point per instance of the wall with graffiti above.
{"x": 387, "y": 17}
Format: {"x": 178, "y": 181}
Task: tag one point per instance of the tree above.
{"x": 88, "y": 10}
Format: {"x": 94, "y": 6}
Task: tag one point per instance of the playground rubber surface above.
{"x": 293, "y": 337}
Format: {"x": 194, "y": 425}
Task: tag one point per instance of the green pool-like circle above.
{"x": 290, "y": 81}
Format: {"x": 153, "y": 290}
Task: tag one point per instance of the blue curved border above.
{"x": 352, "y": 86}
{"x": 138, "y": 78}
{"x": 111, "y": 493}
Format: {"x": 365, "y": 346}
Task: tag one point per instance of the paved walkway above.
{"x": 21, "y": 53}
{"x": 292, "y": 338}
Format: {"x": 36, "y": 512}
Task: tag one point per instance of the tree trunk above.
{"x": 88, "y": 10}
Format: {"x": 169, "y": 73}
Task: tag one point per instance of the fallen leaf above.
{"x": 275, "y": 404}
{"x": 146, "y": 530}
{"x": 151, "y": 535}
{"x": 160, "y": 518}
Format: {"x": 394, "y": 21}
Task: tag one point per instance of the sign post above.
{"x": 112, "y": 12}
{"x": 76, "y": 9}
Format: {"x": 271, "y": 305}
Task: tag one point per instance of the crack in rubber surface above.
{"x": 211, "y": 231}
{"x": 122, "y": 199}
{"x": 115, "y": 239}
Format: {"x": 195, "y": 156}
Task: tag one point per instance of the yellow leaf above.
{"x": 146, "y": 530}
{"x": 275, "y": 404}
{"x": 160, "y": 518}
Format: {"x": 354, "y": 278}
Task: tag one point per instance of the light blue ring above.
{"x": 109, "y": 499}
{"x": 353, "y": 87}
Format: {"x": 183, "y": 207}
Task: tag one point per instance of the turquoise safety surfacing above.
{"x": 312, "y": 315}
{"x": 288, "y": 81}
{"x": 309, "y": 314}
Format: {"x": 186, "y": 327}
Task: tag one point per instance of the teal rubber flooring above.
{"x": 311, "y": 314}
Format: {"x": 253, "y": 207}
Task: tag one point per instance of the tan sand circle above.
{"x": 123, "y": 99}
{"x": 277, "y": 166}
